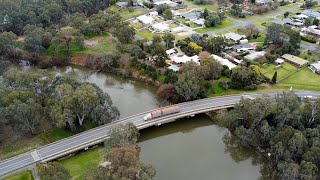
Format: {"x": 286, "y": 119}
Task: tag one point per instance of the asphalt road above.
{"x": 80, "y": 141}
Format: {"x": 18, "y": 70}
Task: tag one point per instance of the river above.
{"x": 189, "y": 149}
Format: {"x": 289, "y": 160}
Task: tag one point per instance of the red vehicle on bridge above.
{"x": 161, "y": 112}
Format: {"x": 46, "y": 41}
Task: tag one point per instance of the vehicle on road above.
{"x": 161, "y": 112}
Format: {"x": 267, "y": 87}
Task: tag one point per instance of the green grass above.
{"x": 307, "y": 43}
{"x": 305, "y": 78}
{"x": 25, "y": 175}
{"x": 104, "y": 45}
{"x": 58, "y": 134}
{"x": 147, "y": 34}
{"x": 263, "y": 24}
{"x": 127, "y": 15}
{"x": 137, "y": 25}
{"x": 213, "y": 7}
{"x": 268, "y": 70}
{"x": 225, "y": 23}
{"x": 92, "y": 35}
{"x": 316, "y": 8}
{"x": 79, "y": 164}
{"x": 261, "y": 38}
{"x": 310, "y": 57}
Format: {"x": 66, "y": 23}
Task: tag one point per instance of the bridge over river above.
{"x": 97, "y": 135}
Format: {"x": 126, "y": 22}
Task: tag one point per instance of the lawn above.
{"x": 225, "y": 23}
{"x": 145, "y": 34}
{"x": 304, "y": 79}
{"x": 103, "y": 45}
{"x": 213, "y": 7}
{"x": 310, "y": 57}
{"x": 261, "y": 38}
{"x": 79, "y": 164}
{"x": 268, "y": 70}
{"x": 316, "y": 8}
{"x": 137, "y": 25}
{"x": 25, "y": 175}
{"x": 127, "y": 15}
{"x": 263, "y": 24}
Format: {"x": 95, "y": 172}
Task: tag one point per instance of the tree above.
{"x": 168, "y": 92}
{"x": 168, "y": 38}
{"x": 123, "y": 135}
{"x": 194, "y": 48}
{"x": 167, "y": 14}
{"x": 215, "y": 44}
{"x": 25, "y": 116}
{"x": 316, "y": 22}
{"x": 308, "y": 171}
{"x": 53, "y": 171}
{"x": 286, "y": 14}
{"x": 308, "y": 22}
{"x": 210, "y": 68}
{"x": 205, "y": 13}
{"x": 274, "y": 78}
{"x": 100, "y": 173}
{"x": 161, "y": 8}
{"x": 8, "y": 43}
{"x": 244, "y": 78}
{"x": 188, "y": 86}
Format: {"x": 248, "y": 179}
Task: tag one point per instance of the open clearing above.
{"x": 268, "y": 70}
{"x": 225, "y": 23}
{"x": 25, "y": 175}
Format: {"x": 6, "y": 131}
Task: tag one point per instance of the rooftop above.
{"x": 234, "y": 36}
{"x": 122, "y": 4}
{"x": 294, "y": 59}
{"x": 145, "y": 19}
{"x": 223, "y": 61}
{"x": 311, "y": 13}
{"x": 247, "y": 46}
{"x": 316, "y": 65}
{"x": 183, "y": 59}
{"x": 255, "y": 55}
{"x": 191, "y": 15}
{"x": 161, "y": 27}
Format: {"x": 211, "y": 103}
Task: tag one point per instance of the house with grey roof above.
{"x": 242, "y": 47}
{"x": 263, "y": 1}
{"x": 191, "y": 16}
{"x": 311, "y": 13}
{"x": 122, "y": 4}
{"x": 315, "y": 67}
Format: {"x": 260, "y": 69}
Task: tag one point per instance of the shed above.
{"x": 191, "y": 16}
{"x": 223, "y": 61}
{"x": 279, "y": 61}
{"x": 296, "y": 61}
{"x": 178, "y": 29}
{"x": 255, "y": 55}
{"x": 242, "y": 47}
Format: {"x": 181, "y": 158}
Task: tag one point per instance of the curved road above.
{"x": 99, "y": 134}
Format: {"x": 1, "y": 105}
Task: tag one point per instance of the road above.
{"x": 99, "y": 134}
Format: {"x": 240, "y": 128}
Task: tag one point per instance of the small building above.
{"x": 279, "y": 61}
{"x": 255, "y": 55}
{"x": 191, "y": 16}
{"x": 167, "y": 2}
{"x": 312, "y": 30}
{"x": 290, "y": 22}
{"x": 242, "y": 47}
{"x": 315, "y": 67}
{"x": 296, "y": 61}
{"x": 122, "y": 4}
{"x": 311, "y": 13}
{"x": 153, "y": 13}
{"x": 234, "y": 36}
{"x": 223, "y": 61}
{"x": 146, "y": 20}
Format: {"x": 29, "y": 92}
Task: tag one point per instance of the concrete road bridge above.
{"x": 97, "y": 135}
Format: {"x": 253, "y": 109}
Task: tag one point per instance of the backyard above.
{"x": 226, "y": 23}
{"x": 269, "y": 69}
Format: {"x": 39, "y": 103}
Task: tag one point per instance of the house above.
{"x": 234, "y": 36}
{"x": 161, "y": 27}
{"x": 242, "y": 47}
{"x": 255, "y": 55}
{"x": 170, "y": 52}
{"x": 296, "y": 61}
{"x": 261, "y": 2}
{"x": 180, "y": 59}
{"x": 191, "y": 16}
{"x": 122, "y": 4}
{"x": 146, "y": 20}
{"x": 315, "y": 67}
{"x": 178, "y": 29}
{"x": 312, "y": 30}
{"x": 311, "y": 13}
{"x": 301, "y": 16}
{"x": 287, "y": 21}
{"x": 279, "y": 61}
{"x": 223, "y": 61}
{"x": 167, "y": 2}
{"x": 199, "y": 22}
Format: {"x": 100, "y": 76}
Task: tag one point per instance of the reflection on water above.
{"x": 194, "y": 149}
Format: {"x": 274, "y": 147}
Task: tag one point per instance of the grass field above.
{"x": 262, "y": 24}
{"x": 79, "y": 164}
{"x": 261, "y": 38}
{"x": 127, "y": 15}
{"x": 310, "y": 57}
{"x": 225, "y": 23}
{"x": 145, "y": 34}
{"x": 305, "y": 79}
{"x": 25, "y": 175}
{"x": 213, "y": 7}
{"x": 268, "y": 70}
{"x": 103, "y": 45}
